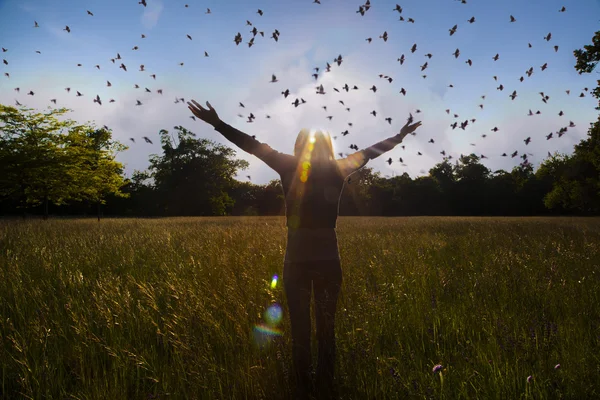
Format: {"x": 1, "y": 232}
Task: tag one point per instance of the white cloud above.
{"x": 160, "y": 112}
{"x": 286, "y": 120}
{"x": 291, "y": 60}
{"x": 152, "y": 13}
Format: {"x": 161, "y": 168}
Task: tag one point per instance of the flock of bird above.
{"x": 337, "y": 61}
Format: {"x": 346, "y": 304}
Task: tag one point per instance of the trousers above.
{"x": 299, "y": 279}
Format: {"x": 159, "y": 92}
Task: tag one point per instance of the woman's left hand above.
{"x": 209, "y": 116}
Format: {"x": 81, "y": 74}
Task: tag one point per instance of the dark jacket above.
{"x": 314, "y": 203}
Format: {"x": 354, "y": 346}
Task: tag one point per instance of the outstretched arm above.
{"x": 357, "y": 160}
{"x": 272, "y": 158}
{"x": 388, "y": 144}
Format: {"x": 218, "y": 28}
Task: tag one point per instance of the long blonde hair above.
{"x": 318, "y": 143}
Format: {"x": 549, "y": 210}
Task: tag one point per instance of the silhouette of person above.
{"x": 312, "y": 181}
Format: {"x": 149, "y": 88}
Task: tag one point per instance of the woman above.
{"x": 312, "y": 183}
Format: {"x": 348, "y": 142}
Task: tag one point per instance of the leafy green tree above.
{"x": 271, "y": 199}
{"x": 141, "y": 197}
{"x": 30, "y": 158}
{"x": 471, "y": 185}
{"x": 587, "y": 60}
{"x": 97, "y": 172}
{"x": 193, "y": 176}
{"x": 528, "y": 190}
{"x": 427, "y": 196}
{"x": 360, "y": 192}
{"x": 576, "y": 178}
{"x": 468, "y": 168}
{"x": 555, "y": 170}
{"x": 46, "y": 160}
{"x": 443, "y": 173}
{"x": 246, "y": 198}
{"x": 502, "y": 198}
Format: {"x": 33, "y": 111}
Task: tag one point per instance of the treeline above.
{"x": 61, "y": 167}
{"x": 74, "y": 172}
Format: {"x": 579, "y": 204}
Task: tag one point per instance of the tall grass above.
{"x": 166, "y": 308}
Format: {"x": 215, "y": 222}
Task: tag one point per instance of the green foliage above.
{"x": 99, "y": 173}
{"x": 587, "y": 60}
{"x": 33, "y": 164}
{"x": 193, "y": 176}
{"x": 360, "y": 195}
{"x": 576, "y": 178}
{"x": 468, "y": 168}
{"x": 166, "y": 308}
{"x": 271, "y": 200}
{"x": 444, "y": 173}
{"x": 48, "y": 160}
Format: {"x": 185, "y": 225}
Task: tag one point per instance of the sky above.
{"x": 44, "y": 60}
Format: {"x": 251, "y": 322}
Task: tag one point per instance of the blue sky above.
{"x": 310, "y": 35}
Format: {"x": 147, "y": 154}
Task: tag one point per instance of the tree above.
{"x": 529, "y": 191}
{"x": 427, "y": 196}
{"x": 502, "y": 190}
{"x": 587, "y": 60}
{"x": 141, "y": 197}
{"x": 245, "y": 196}
{"x": 271, "y": 200}
{"x": 96, "y": 170}
{"x": 576, "y": 178}
{"x": 30, "y": 159}
{"x": 357, "y": 196}
{"x": 443, "y": 173}
{"x": 193, "y": 176}
{"x": 45, "y": 160}
{"x": 471, "y": 185}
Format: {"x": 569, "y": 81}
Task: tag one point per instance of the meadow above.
{"x": 172, "y": 308}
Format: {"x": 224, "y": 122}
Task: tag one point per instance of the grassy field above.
{"x": 168, "y": 308}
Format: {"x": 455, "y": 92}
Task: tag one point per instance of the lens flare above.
{"x": 274, "y": 282}
{"x": 267, "y": 330}
{"x": 263, "y": 335}
{"x": 273, "y": 315}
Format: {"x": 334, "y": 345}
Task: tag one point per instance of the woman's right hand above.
{"x": 209, "y": 116}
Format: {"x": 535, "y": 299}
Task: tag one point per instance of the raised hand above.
{"x": 408, "y": 128}
{"x": 209, "y": 116}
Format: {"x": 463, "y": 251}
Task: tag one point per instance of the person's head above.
{"x": 317, "y": 144}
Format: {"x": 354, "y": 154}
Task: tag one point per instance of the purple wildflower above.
{"x": 437, "y": 368}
